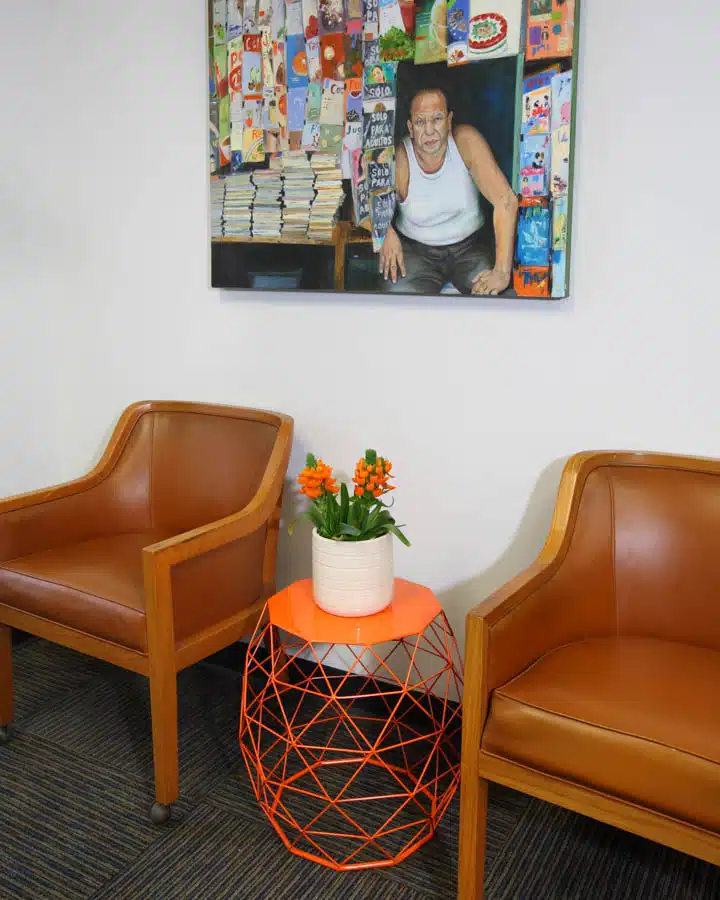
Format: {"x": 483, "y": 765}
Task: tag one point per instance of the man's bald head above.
{"x": 436, "y": 93}
{"x": 430, "y": 125}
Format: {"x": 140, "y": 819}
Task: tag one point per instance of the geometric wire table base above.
{"x": 354, "y": 770}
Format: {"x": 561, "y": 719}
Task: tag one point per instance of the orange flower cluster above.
{"x": 314, "y": 479}
{"x": 372, "y": 478}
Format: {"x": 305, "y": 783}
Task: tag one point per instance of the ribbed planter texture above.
{"x": 352, "y": 578}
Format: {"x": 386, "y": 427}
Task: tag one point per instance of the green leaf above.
{"x": 370, "y": 457}
{"x": 310, "y": 461}
{"x": 349, "y": 530}
{"x": 394, "y": 529}
{"x": 344, "y": 502}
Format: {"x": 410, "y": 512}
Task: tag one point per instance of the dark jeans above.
{"x": 429, "y": 269}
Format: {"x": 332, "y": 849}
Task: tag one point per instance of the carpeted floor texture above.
{"x": 76, "y": 787}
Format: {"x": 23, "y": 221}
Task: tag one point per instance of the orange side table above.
{"x": 353, "y": 769}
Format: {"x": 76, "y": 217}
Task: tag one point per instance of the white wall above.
{"x": 104, "y": 296}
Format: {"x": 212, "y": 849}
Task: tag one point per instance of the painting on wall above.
{"x": 391, "y": 146}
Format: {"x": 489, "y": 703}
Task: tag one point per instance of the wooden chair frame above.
{"x": 165, "y": 657}
{"x": 479, "y": 767}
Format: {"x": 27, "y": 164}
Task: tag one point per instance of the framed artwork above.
{"x": 390, "y": 146}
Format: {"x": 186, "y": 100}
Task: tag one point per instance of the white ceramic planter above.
{"x": 353, "y": 578}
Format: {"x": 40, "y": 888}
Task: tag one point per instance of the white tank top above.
{"x": 442, "y": 208}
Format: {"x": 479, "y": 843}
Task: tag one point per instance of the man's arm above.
{"x": 493, "y": 185}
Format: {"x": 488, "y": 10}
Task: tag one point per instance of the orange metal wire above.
{"x": 343, "y": 785}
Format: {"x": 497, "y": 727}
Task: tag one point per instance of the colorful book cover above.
{"x": 214, "y": 123}
{"x": 297, "y": 73}
{"x": 371, "y": 18}
{"x": 352, "y": 139}
{"x": 220, "y": 63}
{"x": 560, "y": 116}
{"x": 431, "y": 32}
{"x": 234, "y": 20}
{"x": 380, "y": 168}
{"x": 331, "y": 138}
{"x": 312, "y": 49}
{"x": 296, "y": 108}
{"x": 280, "y": 83}
{"x": 532, "y": 281}
{"x": 395, "y": 41}
{"x": 277, "y": 23}
{"x": 353, "y": 55}
{"x": 236, "y": 160}
{"x": 457, "y": 34}
{"x": 537, "y": 92}
{"x": 252, "y": 111}
{"x": 550, "y": 29}
{"x": 252, "y": 67}
{"x": 353, "y": 100}
{"x": 371, "y": 32}
{"x": 559, "y": 251}
{"x": 250, "y": 18}
{"x": 313, "y": 102}
{"x": 378, "y": 124}
{"x": 332, "y": 56}
{"x": 534, "y": 178}
{"x": 311, "y": 136}
{"x": 382, "y": 210}
{"x": 253, "y": 145}
{"x": 224, "y": 149}
{"x": 561, "y": 102}
{"x": 235, "y": 53}
{"x": 380, "y": 81}
{"x": 354, "y": 10}
{"x": 332, "y": 109}
{"x": 310, "y": 18}
{"x": 294, "y": 17}
{"x": 359, "y": 190}
{"x": 331, "y": 18}
{"x": 533, "y": 182}
{"x": 533, "y": 232}
{"x": 264, "y": 13}
{"x": 219, "y": 18}
{"x": 268, "y": 76}
{"x": 495, "y": 28}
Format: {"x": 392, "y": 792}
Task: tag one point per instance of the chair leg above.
{"x": 6, "y": 682}
{"x": 164, "y": 711}
{"x": 473, "y": 825}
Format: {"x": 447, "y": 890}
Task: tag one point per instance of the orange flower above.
{"x": 316, "y": 478}
{"x": 371, "y": 475}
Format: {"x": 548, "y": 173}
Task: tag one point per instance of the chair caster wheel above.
{"x": 5, "y": 733}
{"x": 160, "y": 813}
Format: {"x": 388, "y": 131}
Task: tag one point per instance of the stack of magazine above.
{"x": 267, "y": 209}
{"x": 239, "y": 194}
{"x": 299, "y": 193}
{"x": 217, "y": 199}
{"x": 328, "y": 197}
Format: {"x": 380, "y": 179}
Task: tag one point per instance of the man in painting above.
{"x": 440, "y": 171}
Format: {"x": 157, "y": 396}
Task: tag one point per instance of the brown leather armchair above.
{"x": 162, "y": 555}
{"x": 592, "y": 680}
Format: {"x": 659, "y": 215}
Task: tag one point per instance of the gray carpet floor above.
{"x": 76, "y": 787}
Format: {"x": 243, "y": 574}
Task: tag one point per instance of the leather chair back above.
{"x": 647, "y": 538}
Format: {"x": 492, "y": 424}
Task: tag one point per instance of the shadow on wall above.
{"x": 525, "y": 545}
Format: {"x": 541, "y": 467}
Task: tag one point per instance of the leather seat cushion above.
{"x": 94, "y": 586}
{"x": 636, "y": 718}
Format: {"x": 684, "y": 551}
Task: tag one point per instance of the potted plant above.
{"x": 352, "y": 549}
